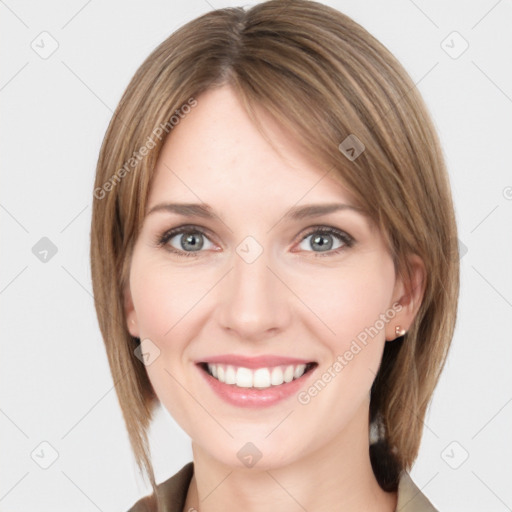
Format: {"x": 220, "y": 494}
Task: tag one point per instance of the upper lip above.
{"x": 263, "y": 361}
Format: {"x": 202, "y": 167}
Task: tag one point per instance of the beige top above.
{"x": 174, "y": 492}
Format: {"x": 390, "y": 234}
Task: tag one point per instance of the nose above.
{"x": 254, "y": 302}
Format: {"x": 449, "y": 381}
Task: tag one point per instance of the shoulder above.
{"x": 172, "y": 492}
{"x": 410, "y": 498}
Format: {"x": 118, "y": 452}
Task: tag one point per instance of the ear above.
{"x": 408, "y": 293}
{"x": 130, "y": 314}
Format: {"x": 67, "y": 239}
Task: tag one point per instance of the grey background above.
{"x": 56, "y": 385}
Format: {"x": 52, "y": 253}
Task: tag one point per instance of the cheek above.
{"x": 164, "y": 299}
{"x": 351, "y": 306}
{"x": 169, "y": 302}
{"x": 163, "y": 296}
{"x": 351, "y": 300}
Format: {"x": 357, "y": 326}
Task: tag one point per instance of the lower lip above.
{"x": 254, "y": 397}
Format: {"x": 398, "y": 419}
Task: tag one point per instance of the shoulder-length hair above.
{"x": 325, "y": 78}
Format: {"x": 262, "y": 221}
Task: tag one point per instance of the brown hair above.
{"x": 324, "y": 77}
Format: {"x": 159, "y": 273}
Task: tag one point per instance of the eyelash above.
{"x": 162, "y": 239}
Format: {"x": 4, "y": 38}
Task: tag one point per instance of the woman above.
{"x": 274, "y": 259}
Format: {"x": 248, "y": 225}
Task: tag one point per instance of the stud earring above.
{"x": 399, "y": 331}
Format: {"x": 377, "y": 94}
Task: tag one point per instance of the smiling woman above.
{"x": 280, "y": 271}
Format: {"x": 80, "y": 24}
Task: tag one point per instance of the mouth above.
{"x": 263, "y": 377}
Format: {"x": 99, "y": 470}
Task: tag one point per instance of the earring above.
{"x": 399, "y": 331}
{"x": 377, "y": 430}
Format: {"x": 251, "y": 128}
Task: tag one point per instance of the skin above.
{"x": 292, "y": 300}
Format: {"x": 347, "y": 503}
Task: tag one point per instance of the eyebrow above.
{"x": 294, "y": 213}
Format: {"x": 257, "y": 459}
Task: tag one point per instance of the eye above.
{"x": 185, "y": 240}
{"x": 189, "y": 241}
{"x": 328, "y": 240}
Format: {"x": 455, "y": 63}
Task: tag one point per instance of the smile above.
{"x": 258, "y": 378}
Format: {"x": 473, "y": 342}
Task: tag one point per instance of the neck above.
{"x": 338, "y": 476}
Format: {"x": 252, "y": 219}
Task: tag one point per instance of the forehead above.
{"x": 217, "y": 154}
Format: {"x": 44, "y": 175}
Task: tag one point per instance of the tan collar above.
{"x": 410, "y": 498}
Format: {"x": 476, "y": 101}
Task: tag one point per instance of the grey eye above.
{"x": 321, "y": 241}
{"x": 190, "y": 241}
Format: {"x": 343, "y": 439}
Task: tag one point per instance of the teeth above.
{"x": 288, "y": 374}
{"x": 299, "y": 371}
{"x": 230, "y": 375}
{"x": 243, "y": 378}
{"x": 277, "y": 376}
{"x": 260, "y": 378}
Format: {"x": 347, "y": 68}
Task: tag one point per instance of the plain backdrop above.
{"x": 64, "y": 66}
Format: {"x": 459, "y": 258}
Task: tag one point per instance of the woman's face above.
{"x": 252, "y": 286}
